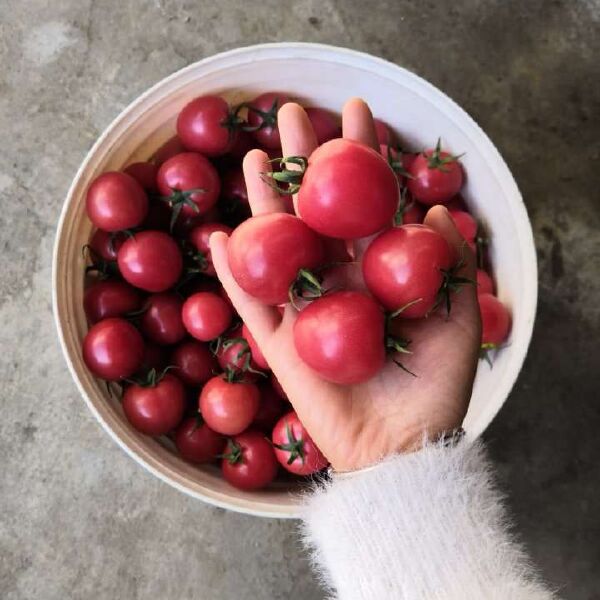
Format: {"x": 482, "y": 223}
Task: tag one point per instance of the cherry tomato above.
{"x": 465, "y": 223}
{"x": 205, "y": 125}
{"x": 348, "y": 191}
{"x": 294, "y": 448}
{"x": 188, "y": 171}
{"x": 413, "y": 213}
{"x": 485, "y": 284}
{"x": 436, "y": 177}
{"x": 197, "y": 442}
{"x": 495, "y": 320}
{"x": 228, "y": 407}
{"x": 199, "y": 237}
{"x": 242, "y": 145}
{"x": 277, "y": 387}
{"x": 325, "y": 124}
{"x": 169, "y": 149}
{"x": 256, "y": 353}
{"x": 161, "y": 320}
{"x": 154, "y": 357}
{"x": 106, "y": 245}
{"x": 113, "y": 349}
{"x": 270, "y": 409}
{"x": 194, "y": 363}
{"x": 405, "y": 264}
{"x": 267, "y": 252}
{"x": 150, "y": 260}
{"x": 234, "y": 196}
{"x": 262, "y": 112}
{"x": 341, "y": 337}
{"x": 206, "y": 316}
{"x": 234, "y": 355}
{"x": 385, "y": 134}
{"x": 116, "y": 201}
{"x": 155, "y": 409}
{"x": 104, "y": 299}
{"x": 249, "y": 463}
{"x": 145, "y": 174}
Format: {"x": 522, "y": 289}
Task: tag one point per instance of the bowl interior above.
{"x": 327, "y": 77}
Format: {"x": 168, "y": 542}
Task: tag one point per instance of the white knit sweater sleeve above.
{"x": 427, "y": 525}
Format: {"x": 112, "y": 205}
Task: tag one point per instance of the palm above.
{"x": 357, "y": 425}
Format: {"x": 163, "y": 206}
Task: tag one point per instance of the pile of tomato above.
{"x": 163, "y": 328}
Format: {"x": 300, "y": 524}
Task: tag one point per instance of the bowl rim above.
{"x": 335, "y": 54}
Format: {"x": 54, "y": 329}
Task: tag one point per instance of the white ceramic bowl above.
{"x": 317, "y": 75}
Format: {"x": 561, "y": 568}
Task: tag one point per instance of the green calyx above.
{"x": 233, "y": 454}
{"x": 151, "y": 379}
{"x": 306, "y": 286}
{"x": 268, "y": 118}
{"x": 103, "y": 268}
{"x": 395, "y": 344}
{"x": 436, "y": 161}
{"x": 451, "y": 284}
{"x": 286, "y": 181}
{"x": 397, "y": 165}
{"x": 403, "y": 206}
{"x": 177, "y": 200}
{"x": 294, "y": 446}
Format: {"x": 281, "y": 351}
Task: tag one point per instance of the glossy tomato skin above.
{"x": 485, "y": 284}
{"x": 150, "y": 260}
{"x": 206, "y": 316}
{"x": 348, "y": 191}
{"x": 266, "y": 252}
{"x": 385, "y": 134}
{"x": 495, "y": 320}
{"x": 199, "y": 238}
{"x": 202, "y": 126}
{"x": 106, "y": 245}
{"x": 113, "y": 349}
{"x": 233, "y": 355}
{"x": 161, "y": 321}
{"x": 270, "y": 409}
{"x": 405, "y": 264}
{"x": 434, "y": 185}
{"x": 104, "y": 299}
{"x": 465, "y": 223}
{"x": 190, "y": 171}
{"x": 193, "y": 363}
{"x": 155, "y": 410}
{"x": 256, "y": 465}
{"x": 145, "y": 174}
{"x": 341, "y": 337}
{"x": 197, "y": 442}
{"x": 292, "y": 443}
{"x": 270, "y": 102}
{"x": 228, "y": 407}
{"x": 257, "y": 355}
{"x": 324, "y": 123}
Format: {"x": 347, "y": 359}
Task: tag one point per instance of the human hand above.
{"x": 357, "y": 425}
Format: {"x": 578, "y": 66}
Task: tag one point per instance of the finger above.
{"x": 357, "y": 123}
{"x": 261, "y": 319}
{"x": 262, "y": 197}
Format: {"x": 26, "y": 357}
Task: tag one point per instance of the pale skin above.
{"x": 356, "y": 426}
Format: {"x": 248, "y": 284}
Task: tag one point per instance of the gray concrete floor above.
{"x": 78, "y": 518}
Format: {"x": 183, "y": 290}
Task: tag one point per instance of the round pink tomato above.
{"x": 193, "y": 363}
{"x": 104, "y": 299}
{"x": 199, "y": 237}
{"x": 495, "y": 320}
{"x": 206, "y": 316}
{"x": 197, "y": 442}
{"x": 161, "y": 320}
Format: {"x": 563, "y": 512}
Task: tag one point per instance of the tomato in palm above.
{"x": 267, "y": 252}
{"x": 227, "y": 406}
{"x": 104, "y": 299}
{"x": 270, "y": 409}
{"x": 249, "y": 462}
{"x": 161, "y": 320}
{"x": 199, "y": 237}
{"x": 206, "y": 316}
{"x": 156, "y": 407}
{"x": 150, "y": 260}
{"x": 436, "y": 176}
{"x": 116, "y": 201}
{"x": 294, "y": 448}
{"x": 384, "y": 132}
{"x": 348, "y": 191}
{"x": 495, "y": 320}
{"x": 106, "y": 245}
{"x": 485, "y": 284}
{"x": 341, "y": 337}
{"x": 324, "y": 123}
{"x": 145, "y": 174}
{"x": 465, "y": 223}
{"x": 193, "y": 363}
{"x": 262, "y": 114}
{"x": 113, "y": 349}
{"x": 406, "y": 264}
{"x": 197, "y": 442}
{"x": 206, "y": 125}
{"x": 191, "y": 183}
{"x": 257, "y": 355}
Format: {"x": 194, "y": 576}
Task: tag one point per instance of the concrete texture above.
{"x": 78, "y": 518}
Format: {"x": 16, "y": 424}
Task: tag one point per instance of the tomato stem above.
{"x": 439, "y": 162}
{"x": 294, "y": 446}
{"x": 286, "y": 181}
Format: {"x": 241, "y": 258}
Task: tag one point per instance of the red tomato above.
{"x": 234, "y": 355}
{"x": 262, "y": 113}
{"x": 150, "y": 260}
{"x": 113, "y": 349}
{"x": 155, "y": 409}
{"x": 161, "y": 321}
{"x": 406, "y": 264}
{"x": 271, "y": 407}
{"x": 194, "y": 363}
{"x": 243, "y": 144}
{"x": 228, "y": 407}
{"x": 255, "y": 351}
{"x": 197, "y": 442}
{"x": 325, "y": 124}
{"x": 250, "y": 462}
{"x": 145, "y": 174}
{"x": 188, "y": 171}
{"x": 294, "y": 448}
{"x": 169, "y": 149}
{"x": 348, "y": 191}
{"x": 495, "y": 320}
{"x": 104, "y": 299}
{"x": 205, "y": 125}
{"x": 106, "y": 245}
{"x": 385, "y": 134}
{"x": 234, "y": 196}
{"x": 465, "y": 223}
{"x": 206, "y": 316}
{"x": 408, "y": 158}
{"x": 413, "y": 213}
{"x": 277, "y": 387}
{"x": 341, "y": 337}
{"x": 266, "y": 253}
{"x": 485, "y": 284}
{"x": 199, "y": 237}
{"x": 116, "y": 201}
{"x": 154, "y": 357}
{"x": 436, "y": 177}
{"x": 456, "y": 203}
